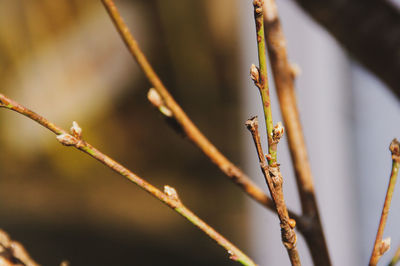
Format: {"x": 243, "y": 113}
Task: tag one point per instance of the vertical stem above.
{"x": 284, "y": 75}
{"x": 381, "y": 246}
{"x": 263, "y": 80}
{"x": 274, "y": 181}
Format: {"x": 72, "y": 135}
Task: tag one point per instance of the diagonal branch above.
{"x": 274, "y": 181}
{"x": 396, "y": 258}
{"x": 175, "y": 111}
{"x": 13, "y": 253}
{"x": 169, "y": 196}
{"x": 381, "y": 246}
{"x": 284, "y": 75}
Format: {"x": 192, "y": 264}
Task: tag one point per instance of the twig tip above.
{"x": 395, "y": 150}
{"x": 76, "y": 130}
{"x": 251, "y": 122}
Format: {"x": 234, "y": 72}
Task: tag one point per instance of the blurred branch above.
{"x": 175, "y": 111}
{"x": 381, "y": 246}
{"x": 396, "y": 258}
{"x": 169, "y": 196}
{"x": 368, "y": 29}
{"x": 274, "y": 180}
{"x": 284, "y": 74}
{"x": 13, "y": 253}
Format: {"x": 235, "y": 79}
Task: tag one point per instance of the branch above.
{"x": 284, "y": 74}
{"x": 381, "y": 246}
{"x": 13, "y": 253}
{"x": 170, "y": 108}
{"x": 396, "y": 258}
{"x": 169, "y": 196}
{"x": 274, "y": 180}
{"x": 260, "y": 78}
{"x": 271, "y": 169}
{"x": 375, "y": 39}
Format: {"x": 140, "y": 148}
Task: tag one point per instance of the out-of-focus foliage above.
{"x": 65, "y": 60}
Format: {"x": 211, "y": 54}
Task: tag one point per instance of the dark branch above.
{"x": 368, "y": 29}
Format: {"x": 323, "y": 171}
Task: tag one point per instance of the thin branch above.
{"x": 13, "y": 253}
{"x": 260, "y": 78}
{"x": 274, "y": 180}
{"x": 381, "y": 246}
{"x": 271, "y": 169}
{"x": 174, "y": 110}
{"x": 169, "y": 196}
{"x": 396, "y": 258}
{"x": 284, "y": 74}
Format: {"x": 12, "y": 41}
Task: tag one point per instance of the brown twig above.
{"x": 381, "y": 246}
{"x": 274, "y": 181}
{"x": 13, "y": 253}
{"x": 170, "y": 106}
{"x": 169, "y": 196}
{"x": 284, "y": 74}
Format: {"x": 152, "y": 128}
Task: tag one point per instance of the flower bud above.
{"x": 76, "y": 130}
{"x": 254, "y": 73}
{"x": 67, "y": 139}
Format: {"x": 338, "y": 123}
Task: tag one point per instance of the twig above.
{"x": 284, "y": 74}
{"x": 381, "y": 246}
{"x": 169, "y": 196}
{"x": 13, "y": 253}
{"x": 260, "y": 78}
{"x": 274, "y": 180}
{"x": 396, "y": 258}
{"x": 271, "y": 169}
{"x": 174, "y": 110}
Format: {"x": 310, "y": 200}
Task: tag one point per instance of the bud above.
{"x": 395, "y": 150}
{"x": 385, "y": 245}
{"x": 171, "y": 192}
{"x": 292, "y": 223}
{"x": 254, "y": 73}
{"x": 67, "y": 139}
{"x": 295, "y": 69}
{"x": 278, "y": 131}
{"x": 155, "y": 98}
{"x": 76, "y": 130}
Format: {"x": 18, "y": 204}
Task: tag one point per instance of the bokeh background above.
{"x": 65, "y": 60}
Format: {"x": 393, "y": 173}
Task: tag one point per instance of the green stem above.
{"x": 171, "y": 200}
{"x": 396, "y": 258}
{"x": 263, "y": 81}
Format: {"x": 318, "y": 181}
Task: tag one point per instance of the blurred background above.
{"x": 65, "y": 60}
